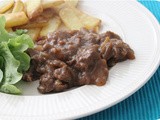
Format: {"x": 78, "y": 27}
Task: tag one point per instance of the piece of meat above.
{"x": 66, "y": 59}
{"x": 97, "y": 75}
{"x": 92, "y": 69}
{"x": 117, "y": 51}
{"x": 86, "y": 57}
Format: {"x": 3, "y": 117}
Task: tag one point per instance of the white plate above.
{"x": 138, "y": 28}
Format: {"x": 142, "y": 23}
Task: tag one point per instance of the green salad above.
{"x": 13, "y": 58}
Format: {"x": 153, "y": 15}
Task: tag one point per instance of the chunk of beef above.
{"x": 66, "y": 59}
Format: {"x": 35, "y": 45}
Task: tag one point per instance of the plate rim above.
{"x": 155, "y": 24}
{"x": 154, "y": 21}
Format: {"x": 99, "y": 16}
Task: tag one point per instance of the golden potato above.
{"x": 48, "y": 13}
{"x": 34, "y": 33}
{"x": 39, "y": 22}
{"x": 9, "y": 30}
{"x": 96, "y": 29}
{"x": 15, "y": 19}
{"x": 53, "y": 25}
{"x": 33, "y": 25}
{"x": 25, "y": 7}
{"x": 72, "y": 2}
{"x": 5, "y": 5}
{"x": 62, "y": 27}
{"x": 9, "y": 11}
{"x": 70, "y": 19}
{"x": 51, "y": 3}
{"x": 18, "y": 7}
{"x": 88, "y": 21}
{"x": 34, "y": 8}
{"x": 75, "y": 19}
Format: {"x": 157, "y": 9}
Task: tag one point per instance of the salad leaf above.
{"x": 24, "y": 60}
{"x": 1, "y": 75}
{"x": 11, "y": 89}
{"x": 21, "y": 31}
{"x": 11, "y": 76}
{"x": 21, "y": 43}
{"x": 18, "y": 45}
{"x": 1, "y": 62}
{"x": 1, "y": 67}
{"x": 13, "y": 58}
{"x": 3, "y": 34}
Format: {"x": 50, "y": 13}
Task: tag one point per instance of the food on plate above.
{"x": 39, "y": 22}
{"x": 56, "y": 43}
{"x": 5, "y": 5}
{"x": 34, "y": 33}
{"x": 9, "y": 30}
{"x": 72, "y": 2}
{"x": 14, "y": 60}
{"x": 18, "y": 7}
{"x": 75, "y": 19}
{"x": 70, "y": 19}
{"x": 88, "y": 21}
{"x": 44, "y": 14}
{"x": 63, "y": 27}
{"x": 9, "y": 11}
{"x": 15, "y": 19}
{"x": 66, "y": 59}
{"x": 34, "y": 8}
{"x": 51, "y": 3}
{"x": 53, "y": 25}
{"x": 48, "y": 13}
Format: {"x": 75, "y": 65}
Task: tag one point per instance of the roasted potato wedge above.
{"x": 9, "y": 30}
{"x": 88, "y": 21}
{"x": 15, "y": 19}
{"x": 9, "y": 11}
{"x": 53, "y": 25}
{"x": 58, "y": 8}
{"x": 73, "y": 3}
{"x": 51, "y": 3}
{"x": 5, "y": 5}
{"x": 96, "y": 29}
{"x": 39, "y": 22}
{"x": 25, "y": 7}
{"x": 33, "y": 25}
{"x": 62, "y": 27}
{"x": 70, "y": 19}
{"x": 34, "y": 33}
{"x": 18, "y": 7}
{"x": 48, "y": 13}
{"x": 75, "y": 19}
{"x": 34, "y": 8}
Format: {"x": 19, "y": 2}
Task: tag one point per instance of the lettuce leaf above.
{"x": 18, "y": 46}
{"x": 4, "y": 35}
{"x": 11, "y": 89}
{"x": 21, "y": 31}
{"x": 1, "y": 67}
{"x": 1, "y": 75}
{"x": 21, "y": 43}
{"x": 11, "y": 76}
{"x": 13, "y": 58}
{"x": 24, "y": 60}
{"x": 1, "y": 62}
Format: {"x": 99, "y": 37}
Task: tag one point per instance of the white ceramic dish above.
{"x": 137, "y": 26}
